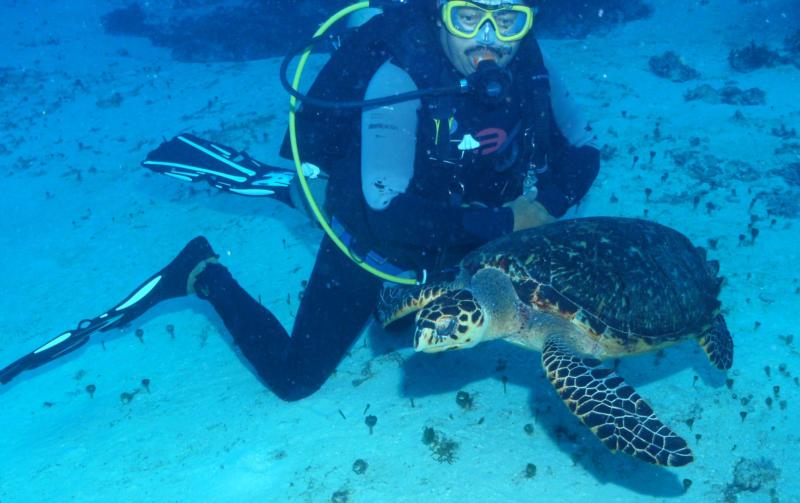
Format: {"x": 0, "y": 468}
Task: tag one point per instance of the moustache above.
{"x": 498, "y": 52}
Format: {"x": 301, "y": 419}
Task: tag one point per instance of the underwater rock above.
{"x": 704, "y": 92}
{"x": 577, "y": 19}
{"x": 238, "y": 30}
{"x": 715, "y": 171}
{"x": 784, "y": 132}
{"x": 790, "y": 174}
{"x": 792, "y": 43}
{"x": 732, "y": 95}
{"x": 792, "y": 46}
{"x": 788, "y": 148}
{"x": 753, "y": 57}
{"x": 670, "y": 66}
{"x": 781, "y": 203}
{"x": 729, "y": 95}
{"x": 128, "y": 20}
{"x": 752, "y": 475}
{"x": 219, "y": 30}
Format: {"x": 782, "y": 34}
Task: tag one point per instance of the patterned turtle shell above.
{"x": 635, "y": 281}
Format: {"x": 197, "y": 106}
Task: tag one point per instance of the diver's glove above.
{"x": 528, "y": 212}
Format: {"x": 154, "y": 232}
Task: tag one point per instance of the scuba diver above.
{"x": 436, "y": 128}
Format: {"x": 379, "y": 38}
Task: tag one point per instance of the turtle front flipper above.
{"x": 718, "y": 344}
{"x": 610, "y": 407}
{"x": 399, "y": 301}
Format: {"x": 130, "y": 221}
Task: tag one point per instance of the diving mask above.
{"x": 465, "y": 19}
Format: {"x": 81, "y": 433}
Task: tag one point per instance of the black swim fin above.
{"x": 190, "y": 158}
{"x": 170, "y": 282}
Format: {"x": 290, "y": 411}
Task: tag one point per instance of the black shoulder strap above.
{"x": 416, "y": 51}
{"x": 328, "y": 135}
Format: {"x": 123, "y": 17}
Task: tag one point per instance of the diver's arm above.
{"x": 575, "y": 160}
{"x": 572, "y": 170}
{"x": 388, "y": 151}
{"x": 414, "y": 220}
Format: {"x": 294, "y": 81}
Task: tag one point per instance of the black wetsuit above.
{"x": 340, "y": 296}
{"x": 337, "y": 302}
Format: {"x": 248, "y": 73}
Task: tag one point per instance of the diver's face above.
{"x": 466, "y": 53}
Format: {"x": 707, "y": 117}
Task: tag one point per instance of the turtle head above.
{"x": 454, "y": 320}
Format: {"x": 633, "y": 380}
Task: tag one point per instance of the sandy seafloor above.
{"x": 82, "y": 224}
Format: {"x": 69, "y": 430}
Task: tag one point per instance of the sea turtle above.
{"x": 581, "y": 291}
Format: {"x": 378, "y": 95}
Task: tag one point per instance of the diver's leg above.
{"x": 337, "y": 302}
{"x": 172, "y": 281}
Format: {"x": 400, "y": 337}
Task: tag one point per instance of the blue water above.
{"x": 180, "y": 417}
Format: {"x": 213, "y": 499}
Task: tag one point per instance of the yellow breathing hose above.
{"x": 299, "y": 165}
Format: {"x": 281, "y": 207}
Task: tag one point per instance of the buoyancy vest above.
{"x": 468, "y": 151}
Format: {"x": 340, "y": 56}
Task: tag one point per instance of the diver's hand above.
{"x": 528, "y": 212}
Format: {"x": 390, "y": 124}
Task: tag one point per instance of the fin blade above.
{"x": 193, "y": 159}
{"x": 60, "y": 345}
{"x": 169, "y": 282}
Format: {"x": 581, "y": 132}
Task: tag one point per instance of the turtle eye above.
{"x": 445, "y": 327}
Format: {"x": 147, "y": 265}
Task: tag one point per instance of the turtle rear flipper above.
{"x": 718, "y": 344}
{"x": 611, "y": 408}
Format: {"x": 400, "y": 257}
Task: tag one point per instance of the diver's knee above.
{"x": 293, "y": 391}
{"x": 295, "y": 380}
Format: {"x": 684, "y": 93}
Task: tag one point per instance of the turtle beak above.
{"x": 439, "y": 336}
{"x": 427, "y": 340}
{"x": 420, "y": 335}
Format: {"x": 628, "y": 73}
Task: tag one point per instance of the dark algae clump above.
{"x": 443, "y": 449}
{"x": 360, "y": 466}
{"x": 371, "y": 421}
{"x": 670, "y": 66}
{"x": 753, "y": 476}
{"x": 752, "y": 57}
{"x": 530, "y": 470}
{"x": 465, "y": 400}
{"x": 728, "y": 95}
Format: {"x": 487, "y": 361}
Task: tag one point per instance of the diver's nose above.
{"x": 487, "y": 35}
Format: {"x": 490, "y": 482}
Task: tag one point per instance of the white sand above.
{"x": 209, "y": 431}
